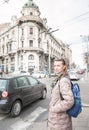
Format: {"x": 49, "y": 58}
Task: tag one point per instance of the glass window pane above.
{"x": 32, "y": 81}
{"x": 3, "y": 83}
{"x": 22, "y": 81}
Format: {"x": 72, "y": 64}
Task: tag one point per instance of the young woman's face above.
{"x": 58, "y": 67}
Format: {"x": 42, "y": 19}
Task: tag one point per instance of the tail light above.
{"x": 4, "y": 94}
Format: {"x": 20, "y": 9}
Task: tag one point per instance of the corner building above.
{"x": 26, "y": 44}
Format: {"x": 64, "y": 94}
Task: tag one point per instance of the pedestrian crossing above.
{"x": 24, "y": 123}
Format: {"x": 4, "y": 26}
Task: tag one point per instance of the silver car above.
{"x": 73, "y": 75}
{"x": 38, "y": 74}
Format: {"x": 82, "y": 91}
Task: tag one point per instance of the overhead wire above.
{"x": 75, "y": 20}
{"x": 66, "y": 23}
{"x": 77, "y": 17}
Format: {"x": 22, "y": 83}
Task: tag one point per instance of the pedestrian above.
{"x": 61, "y": 99}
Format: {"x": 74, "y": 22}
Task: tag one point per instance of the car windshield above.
{"x": 3, "y": 83}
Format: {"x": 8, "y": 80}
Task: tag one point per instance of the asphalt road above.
{"x": 38, "y": 111}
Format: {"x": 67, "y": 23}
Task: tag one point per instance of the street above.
{"x": 37, "y": 112}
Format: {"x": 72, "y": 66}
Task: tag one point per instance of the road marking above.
{"x": 22, "y": 124}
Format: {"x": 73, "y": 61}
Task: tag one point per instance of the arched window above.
{"x": 31, "y": 30}
{"x": 31, "y": 13}
{"x": 21, "y": 57}
{"x": 31, "y": 57}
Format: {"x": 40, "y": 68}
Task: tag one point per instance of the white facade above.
{"x": 25, "y": 43}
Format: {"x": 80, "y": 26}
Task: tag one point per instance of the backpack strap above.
{"x": 58, "y": 84}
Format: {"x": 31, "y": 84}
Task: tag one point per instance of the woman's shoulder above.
{"x": 65, "y": 79}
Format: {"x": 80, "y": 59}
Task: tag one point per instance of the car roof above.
{"x": 14, "y": 76}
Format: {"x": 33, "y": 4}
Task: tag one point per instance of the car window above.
{"x": 3, "y": 83}
{"x": 22, "y": 81}
{"x": 33, "y": 81}
{"x": 14, "y": 83}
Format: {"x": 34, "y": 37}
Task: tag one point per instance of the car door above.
{"x": 26, "y": 89}
{"x": 37, "y": 87}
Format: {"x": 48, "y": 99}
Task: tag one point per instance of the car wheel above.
{"x": 44, "y": 93}
{"x": 16, "y": 108}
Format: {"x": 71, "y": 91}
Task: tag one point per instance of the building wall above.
{"x": 20, "y": 54}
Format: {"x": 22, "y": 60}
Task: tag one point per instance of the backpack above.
{"x": 77, "y": 107}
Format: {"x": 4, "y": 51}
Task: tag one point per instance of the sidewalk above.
{"x": 82, "y": 121}
{"x": 79, "y": 123}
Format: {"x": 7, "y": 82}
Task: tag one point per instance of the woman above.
{"x": 62, "y": 99}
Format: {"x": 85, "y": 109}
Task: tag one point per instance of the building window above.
{"x": 30, "y": 57}
{"x": 22, "y": 31}
{"x": 47, "y": 46}
{"x": 39, "y": 42}
{"x": 22, "y": 43}
{"x": 12, "y": 59}
{"x": 3, "y": 49}
{"x": 8, "y": 36}
{"x": 31, "y": 13}
{"x": 21, "y": 66}
{"x": 12, "y": 67}
{"x": 30, "y": 43}
{"x": 21, "y": 57}
{"x": 6, "y": 60}
{"x": 2, "y": 61}
{"x": 7, "y": 48}
{"x": 10, "y": 47}
{"x": 31, "y": 31}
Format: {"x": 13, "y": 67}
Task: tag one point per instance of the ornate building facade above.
{"x": 26, "y": 44}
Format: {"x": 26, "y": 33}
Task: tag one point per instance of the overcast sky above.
{"x": 71, "y": 17}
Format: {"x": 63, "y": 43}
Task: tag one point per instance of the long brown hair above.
{"x": 65, "y": 64}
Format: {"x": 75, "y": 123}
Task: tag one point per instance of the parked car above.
{"x": 18, "y": 72}
{"x": 38, "y": 74}
{"x": 18, "y": 91}
{"x": 81, "y": 71}
{"x": 73, "y": 75}
{"x": 52, "y": 74}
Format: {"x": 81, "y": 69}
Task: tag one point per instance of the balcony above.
{"x": 27, "y": 18}
{"x": 2, "y": 55}
{"x": 11, "y": 52}
{"x": 30, "y": 49}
